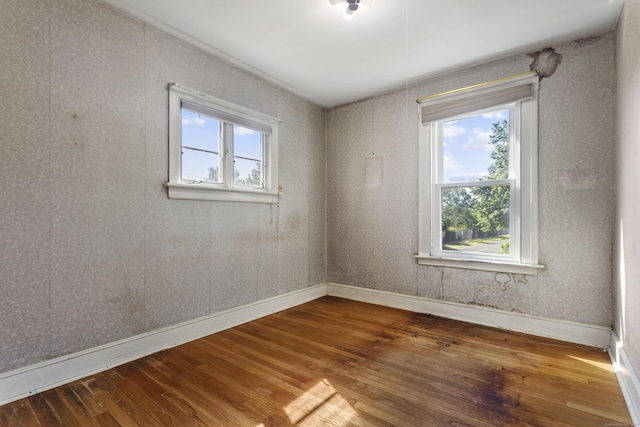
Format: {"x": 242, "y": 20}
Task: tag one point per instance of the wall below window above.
{"x": 373, "y": 223}
{"x": 93, "y": 251}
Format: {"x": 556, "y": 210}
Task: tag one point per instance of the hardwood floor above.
{"x": 335, "y": 362}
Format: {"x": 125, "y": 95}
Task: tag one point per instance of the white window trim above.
{"x": 526, "y": 217}
{"x": 187, "y": 190}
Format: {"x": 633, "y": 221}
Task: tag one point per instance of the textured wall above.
{"x": 92, "y": 250}
{"x": 373, "y": 224}
{"x": 627, "y": 319}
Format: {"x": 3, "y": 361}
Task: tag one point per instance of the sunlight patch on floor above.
{"x": 602, "y": 365}
{"x": 319, "y": 404}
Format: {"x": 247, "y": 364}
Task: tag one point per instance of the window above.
{"x": 478, "y": 177}
{"x": 219, "y": 150}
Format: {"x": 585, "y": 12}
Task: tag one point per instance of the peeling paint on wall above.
{"x": 545, "y": 62}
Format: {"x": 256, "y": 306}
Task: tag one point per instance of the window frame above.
{"x": 523, "y": 178}
{"x": 229, "y": 114}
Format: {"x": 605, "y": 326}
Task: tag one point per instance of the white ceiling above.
{"x": 308, "y": 48}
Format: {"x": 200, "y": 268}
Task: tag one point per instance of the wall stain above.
{"x": 295, "y": 222}
{"x": 586, "y": 41}
{"x": 500, "y": 281}
{"x": 132, "y": 308}
{"x": 502, "y": 284}
{"x": 481, "y": 304}
{"x": 174, "y": 241}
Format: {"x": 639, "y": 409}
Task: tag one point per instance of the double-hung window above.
{"x": 478, "y": 177}
{"x": 219, "y": 150}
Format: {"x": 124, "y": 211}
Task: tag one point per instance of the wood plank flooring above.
{"x": 335, "y": 362}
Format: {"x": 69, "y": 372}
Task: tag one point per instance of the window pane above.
{"x": 200, "y": 131}
{"x": 476, "y": 148}
{"x": 476, "y": 219}
{"x": 200, "y": 166}
{"x": 246, "y": 143}
{"x": 248, "y": 172}
{"x": 247, "y": 151}
{"x": 200, "y": 147}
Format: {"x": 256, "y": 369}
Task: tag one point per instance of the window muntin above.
{"x": 219, "y": 150}
{"x": 453, "y": 174}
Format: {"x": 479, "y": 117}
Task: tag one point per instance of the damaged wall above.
{"x": 92, "y": 249}
{"x": 373, "y": 230}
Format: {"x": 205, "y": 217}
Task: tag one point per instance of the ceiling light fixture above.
{"x": 352, "y": 6}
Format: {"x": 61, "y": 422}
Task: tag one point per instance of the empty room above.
{"x": 320, "y": 212}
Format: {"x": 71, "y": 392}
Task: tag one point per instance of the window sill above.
{"x": 211, "y": 193}
{"x": 502, "y": 267}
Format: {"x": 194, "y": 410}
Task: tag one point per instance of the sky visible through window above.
{"x": 200, "y": 131}
{"x": 466, "y": 149}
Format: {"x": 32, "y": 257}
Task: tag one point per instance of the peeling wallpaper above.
{"x": 373, "y": 230}
{"x": 93, "y": 251}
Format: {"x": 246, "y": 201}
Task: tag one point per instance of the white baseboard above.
{"x": 574, "y": 332}
{"x": 46, "y": 375}
{"x": 627, "y": 378}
